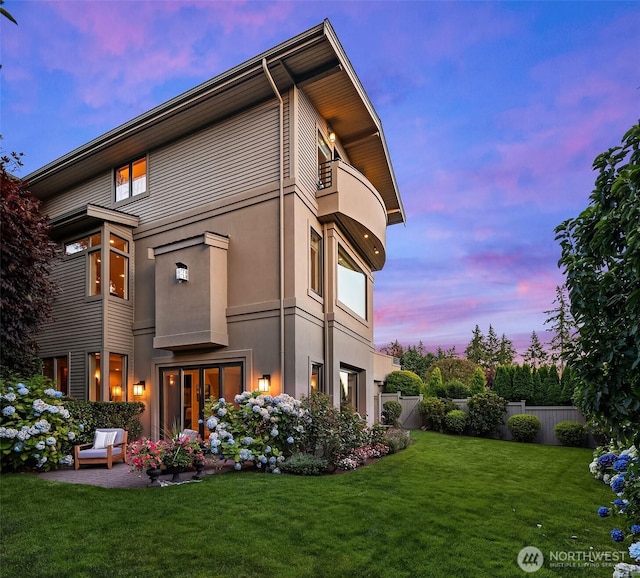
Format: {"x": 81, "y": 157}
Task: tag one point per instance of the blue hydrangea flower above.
{"x": 221, "y": 400}
{"x": 81, "y": 426}
{"x": 621, "y": 463}
{"x": 40, "y": 445}
{"x": 617, "y": 535}
{"x": 237, "y": 466}
{"x": 276, "y": 471}
{"x": 607, "y": 459}
{"x": 267, "y": 450}
{"x": 212, "y": 422}
{"x": 272, "y": 460}
{"x": 617, "y": 483}
{"x": 635, "y": 529}
{"x": 603, "y": 512}
{"x": 634, "y": 551}
{"x": 51, "y": 441}
{"x": 10, "y": 397}
{"x": 71, "y": 436}
{"x": 222, "y": 411}
{"x": 22, "y": 389}
{"x": 9, "y": 410}
{"x": 274, "y": 432}
{"x": 290, "y": 440}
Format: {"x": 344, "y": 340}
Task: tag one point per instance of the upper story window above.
{"x": 82, "y": 244}
{"x": 315, "y": 262}
{"x": 118, "y": 267}
{"x": 131, "y": 179}
{"x": 352, "y": 284}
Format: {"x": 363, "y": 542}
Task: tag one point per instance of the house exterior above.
{"x": 225, "y": 241}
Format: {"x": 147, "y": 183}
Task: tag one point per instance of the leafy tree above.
{"x": 535, "y": 355}
{"x": 26, "y": 288}
{"x": 454, "y": 369}
{"x": 405, "y": 382}
{"x": 601, "y": 260}
{"x": 394, "y": 349}
{"x": 562, "y": 325}
{"x": 476, "y": 351}
{"x": 506, "y": 353}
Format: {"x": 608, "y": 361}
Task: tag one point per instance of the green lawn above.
{"x": 445, "y": 507}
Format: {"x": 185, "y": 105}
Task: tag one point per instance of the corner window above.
{"x": 57, "y": 369}
{"x": 352, "y": 284}
{"x": 131, "y": 179}
{"x": 118, "y": 267}
{"x": 315, "y": 262}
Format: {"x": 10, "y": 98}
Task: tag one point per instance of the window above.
{"x": 317, "y": 381}
{"x": 117, "y": 377}
{"x": 349, "y": 388}
{"x": 118, "y": 267}
{"x": 131, "y": 179}
{"x": 95, "y": 389}
{"x": 352, "y": 284}
{"x": 82, "y": 244}
{"x": 324, "y": 156}
{"x": 316, "y": 260}
{"x": 57, "y": 369}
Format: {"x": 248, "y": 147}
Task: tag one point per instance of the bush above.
{"x": 432, "y": 410}
{"x": 37, "y": 430}
{"x": 455, "y": 421}
{"x": 457, "y": 390}
{"x": 570, "y": 433}
{"x": 397, "y": 439}
{"x": 486, "y": 413}
{"x": 99, "y": 414}
{"x": 305, "y": 465}
{"x": 524, "y": 427}
{"x": 391, "y": 412}
{"x": 405, "y": 382}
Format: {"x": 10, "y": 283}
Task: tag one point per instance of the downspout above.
{"x": 280, "y": 216}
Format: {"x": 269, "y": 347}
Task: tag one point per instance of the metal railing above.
{"x": 325, "y": 175}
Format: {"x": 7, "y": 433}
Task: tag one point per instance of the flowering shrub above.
{"x": 359, "y": 456}
{"x": 145, "y": 454}
{"x": 35, "y": 428}
{"x": 621, "y": 470}
{"x": 257, "y": 428}
{"x": 182, "y": 451}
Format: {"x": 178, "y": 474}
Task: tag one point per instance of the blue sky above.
{"x": 493, "y": 114}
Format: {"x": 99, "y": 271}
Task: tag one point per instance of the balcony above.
{"x": 347, "y": 197}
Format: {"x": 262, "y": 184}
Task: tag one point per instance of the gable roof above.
{"x": 314, "y": 61}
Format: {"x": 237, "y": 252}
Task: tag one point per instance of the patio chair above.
{"x": 109, "y": 446}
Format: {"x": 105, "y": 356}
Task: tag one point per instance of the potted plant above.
{"x": 182, "y": 451}
{"x": 147, "y": 455}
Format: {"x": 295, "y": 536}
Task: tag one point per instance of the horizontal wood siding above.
{"x": 238, "y": 154}
{"x": 119, "y": 330}
{"x": 78, "y": 375}
{"x": 287, "y": 135}
{"x": 307, "y": 144}
{"x": 98, "y": 191}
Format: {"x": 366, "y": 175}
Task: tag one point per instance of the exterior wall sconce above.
{"x": 264, "y": 383}
{"x": 116, "y": 391}
{"x": 182, "y": 272}
{"x": 332, "y": 137}
{"x": 138, "y": 388}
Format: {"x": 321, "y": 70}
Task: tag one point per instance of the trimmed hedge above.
{"x": 455, "y": 421}
{"x": 486, "y": 413}
{"x": 99, "y": 414}
{"x": 570, "y": 433}
{"x": 391, "y": 412}
{"x": 405, "y": 382}
{"x": 524, "y": 427}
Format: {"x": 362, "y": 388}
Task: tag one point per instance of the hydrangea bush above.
{"x": 620, "y": 469}
{"x": 36, "y": 430}
{"x": 256, "y": 428}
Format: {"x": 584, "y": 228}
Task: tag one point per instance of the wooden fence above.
{"x": 549, "y": 416}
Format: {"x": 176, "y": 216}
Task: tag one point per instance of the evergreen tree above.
{"x": 522, "y": 383}
{"x": 476, "y": 351}
{"x": 394, "y": 349}
{"x": 478, "y": 382}
{"x": 506, "y": 353}
{"x": 568, "y": 385}
{"x": 417, "y": 359}
{"x": 435, "y": 385}
{"x": 502, "y": 381}
{"x": 562, "y": 325}
{"x": 492, "y": 347}
{"x": 535, "y": 355}
{"x": 537, "y": 391}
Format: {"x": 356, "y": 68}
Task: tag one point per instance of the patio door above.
{"x": 184, "y": 392}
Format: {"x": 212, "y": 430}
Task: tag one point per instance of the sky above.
{"x": 493, "y": 113}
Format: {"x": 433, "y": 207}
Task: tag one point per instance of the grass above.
{"x": 446, "y": 506}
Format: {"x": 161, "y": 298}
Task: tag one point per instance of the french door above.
{"x": 185, "y": 390}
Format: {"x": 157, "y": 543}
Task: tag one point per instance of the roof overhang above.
{"x": 314, "y": 61}
{"x": 87, "y": 217}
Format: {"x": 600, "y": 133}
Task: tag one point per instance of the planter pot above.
{"x": 175, "y": 471}
{"x": 153, "y": 474}
{"x": 199, "y": 466}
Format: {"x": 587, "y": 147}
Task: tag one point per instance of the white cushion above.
{"x": 104, "y": 439}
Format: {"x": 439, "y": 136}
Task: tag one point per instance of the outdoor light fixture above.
{"x": 138, "y": 388}
{"x": 182, "y": 272}
{"x": 332, "y": 137}
{"x": 116, "y": 391}
{"x": 264, "y": 383}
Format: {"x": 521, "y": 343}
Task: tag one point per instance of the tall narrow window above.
{"x": 316, "y": 262}
{"x": 317, "y": 382}
{"x": 118, "y": 267}
{"x": 131, "y": 179}
{"x": 117, "y": 377}
{"x": 57, "y": 369}
{"x": 95, "y": 265}
{"x": 324, "y": 156}
{"x": 352, "y": 284}
{"x": 95, "y": 389}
